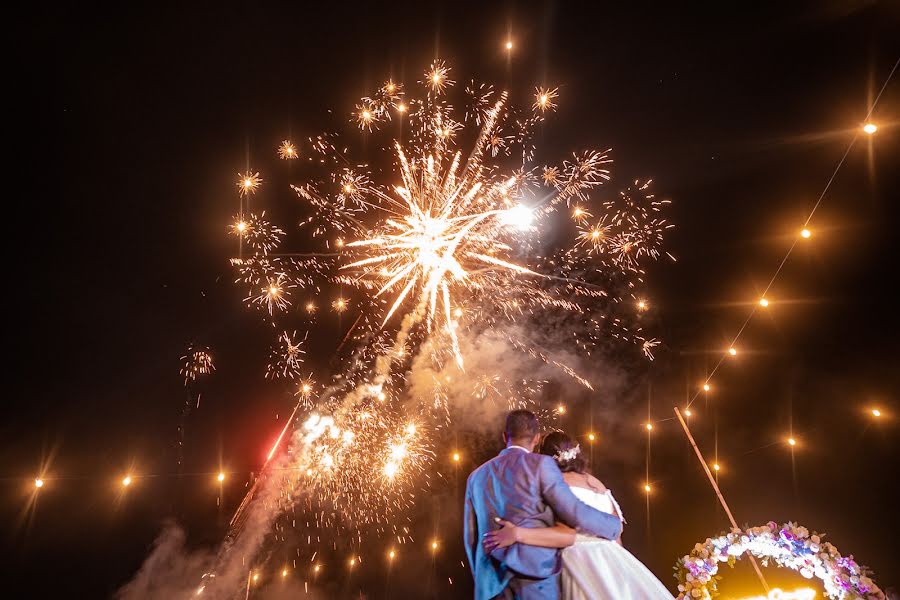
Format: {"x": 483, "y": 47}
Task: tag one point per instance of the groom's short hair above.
{"x": 521, "y": 424}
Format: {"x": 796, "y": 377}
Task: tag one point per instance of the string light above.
{"x": 805, "y": 233}
{"x": 870, "y": 128}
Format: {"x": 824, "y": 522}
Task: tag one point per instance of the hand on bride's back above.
{"x": 500, "y": 538}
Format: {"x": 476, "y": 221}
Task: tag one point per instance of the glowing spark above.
{"x": 706, "y": 387}
{"x": 456, "y": 457}
{"x": 763, "y": 302}
{"x": 792, "y": 441}
{"x": 437, "y": 77}
{"x": 592, "y": 437}
{"x": 38, "y": 483}
{"x": 286, "y": 357}
{"x": 509, "y": 45}
{"x": 876, "y": 412}
{"x": 126, "y": 481}
{"x": 220, "y": 477}
{"x": 339, "y": 305}
{"x": 248, "y": 183}
{"x": 805, "y": 233}
{"x": 687, "y": 412}
{"x": 647, "y": 487}
{"x": 732, "y": 351}
{"x": 716, "y": 467}
{"x": 287, "y": 150}
{"x": 642, "y": 305}
{"x": 870, "y": 128}
{"x": 543, "y": 99}
{"x": 649, "y": 426}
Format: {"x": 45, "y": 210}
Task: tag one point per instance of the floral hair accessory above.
{"x": 565, "y": 455}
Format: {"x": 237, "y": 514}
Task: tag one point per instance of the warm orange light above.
{"x": 763, "y": 302}
{"x": 391, "y": 555}
{"x": 401, "y": 107}
{"x": 316, "y": 569}
{"x": 509, "y": 44}
{"x": 456, "y": 457}
{"x": 687, "y": 412}
{"x": 642, "y": 305}
{"x": 706, "y": 387}
{"x": 870, "y": 128}
{"x": 591, "y": 437}
{"x": 561, "y": 409}
{"x": 875, "y": 413}
{"x": 649, "y": 426}
{"x": 434, "y": 545}
{"x": 805, "y": 233}
{"x": 255, "y": 576}
{"x": 716, "y": 467}
{"x": 221, "y": 477}
{"x": 38, "y": 483}
{"x": 126, "y": 481}
{"x": 647, "y": 487}
{"x": 732, "y": 351}
{"x": 792, "y": 441}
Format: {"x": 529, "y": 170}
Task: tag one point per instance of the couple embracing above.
{"x": 539, "y": 526}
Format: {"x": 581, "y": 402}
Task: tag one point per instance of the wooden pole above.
{"x": 712, "y": 481}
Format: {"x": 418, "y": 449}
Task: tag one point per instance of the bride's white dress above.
{"x": 598, "y": 569}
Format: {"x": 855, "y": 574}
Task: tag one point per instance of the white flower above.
{"x": 806, "y": 573}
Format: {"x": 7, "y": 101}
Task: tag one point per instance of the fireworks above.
{"x": 543, "y": 99}
{"x": 248, "y": 183}
{"x": 286, "y": 357}
{"x": 436, "y": 241}
{"x": 196, "y": 362}
{"x": 287, "y": 150}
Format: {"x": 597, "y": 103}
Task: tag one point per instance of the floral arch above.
{"x": 790, "y": 546}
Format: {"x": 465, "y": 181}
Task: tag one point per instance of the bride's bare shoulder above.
{"x": 584, "y": 480}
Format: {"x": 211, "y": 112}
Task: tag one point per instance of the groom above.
{"x": 527, "y": 489}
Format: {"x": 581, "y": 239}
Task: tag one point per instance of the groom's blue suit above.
{"x": 528, "y": 490}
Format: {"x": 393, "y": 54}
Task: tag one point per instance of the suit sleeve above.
{"x": 572, "y": 511}
{"x": 470, "y": 530}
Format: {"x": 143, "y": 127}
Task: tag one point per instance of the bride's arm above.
{"x": 558, "y": 536}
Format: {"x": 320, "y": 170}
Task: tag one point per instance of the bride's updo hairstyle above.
{"x": 565, "y": 451}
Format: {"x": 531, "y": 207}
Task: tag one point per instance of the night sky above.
{"x": 128, "y": 125}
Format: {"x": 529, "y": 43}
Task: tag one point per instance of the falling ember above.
{"x": 248, "y": 183}
{"x": 437, "y": 77}
{"x": 287, "y": 150}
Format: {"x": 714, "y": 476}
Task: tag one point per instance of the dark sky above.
{"x": 128, "y": 125}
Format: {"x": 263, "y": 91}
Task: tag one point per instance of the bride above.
{"x": 592, "y": 568}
